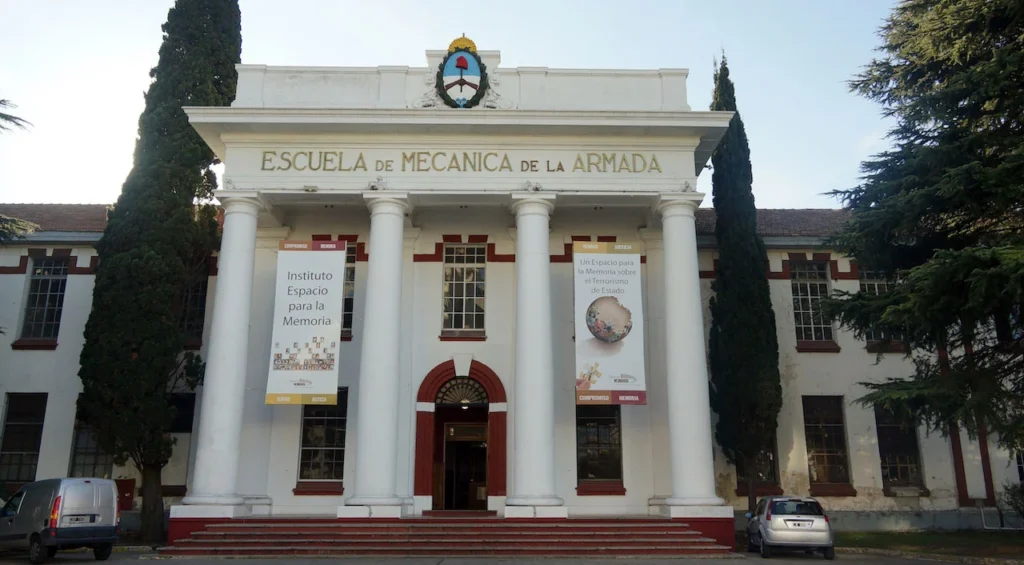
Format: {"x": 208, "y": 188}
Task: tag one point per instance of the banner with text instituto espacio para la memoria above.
{"x": 307, "y": 323}
{"x": 609, "y": 313}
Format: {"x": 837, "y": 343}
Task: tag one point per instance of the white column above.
{"x": 376, "y": 446}
{"x": 534, "y": 404}
{"x": 215, "y": 479}
{"x": 689, "y": 412}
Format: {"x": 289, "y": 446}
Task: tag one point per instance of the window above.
{"x": 897, "y": 447}
{"x": 193, "y": 318}
{"x": 1020, "y": 466}
{"x": 809, "y": 280}
{"x": 764, "y": 467}
{"x": 796, "y": 508}
{"x": 322, "y": 455}
{"x": 47, "y": 282}
{"x": 23, "y": 433}
{"x": 87, "y": 459}
{"x": 827, "y": 460}
{"x": 348, "y": 306}
{"x": 14, "y": 504}
{"x": 184, "y": 404}
{"x": 464, "y": 267}
{"x": 875, "y": 283}
{"x": 598, "y": 443}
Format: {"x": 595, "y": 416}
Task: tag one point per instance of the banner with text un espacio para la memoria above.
{"x": 609, "y": 318}
{"x": 308, "y": 307}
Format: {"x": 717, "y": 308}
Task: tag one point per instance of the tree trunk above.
{"x": 751, "y": 492}
{"x": 152, "y": 504}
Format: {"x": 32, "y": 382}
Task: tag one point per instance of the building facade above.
{"x": 457, "y": 355}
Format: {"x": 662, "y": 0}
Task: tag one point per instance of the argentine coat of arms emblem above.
{"x": 462, "y": 76}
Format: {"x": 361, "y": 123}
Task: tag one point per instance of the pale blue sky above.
{"x": 77, "y": 71}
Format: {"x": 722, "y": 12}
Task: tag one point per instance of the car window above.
{"x": 794, "y": 507}
{"x": 760, "y": 507}
{"x": 13, "y": 504}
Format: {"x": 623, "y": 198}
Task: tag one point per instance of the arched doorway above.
{"x": 460, "y": 437}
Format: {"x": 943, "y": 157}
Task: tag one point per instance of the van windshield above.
{"x": 793, "y": 507}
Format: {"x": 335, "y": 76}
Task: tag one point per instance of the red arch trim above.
{"x": 497, "y": 440}
{"x": 444, "y": 372}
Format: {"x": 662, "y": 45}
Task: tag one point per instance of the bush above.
{"x": 1012, "y": 497}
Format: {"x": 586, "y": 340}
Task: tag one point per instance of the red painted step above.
{"x": 447, "y": 536}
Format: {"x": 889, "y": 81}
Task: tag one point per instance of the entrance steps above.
{"x": 449, "y": 536}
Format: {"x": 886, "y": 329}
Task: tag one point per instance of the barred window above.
{"x": 193, "y": 319}
{"x": 87, "y": 459}
{"x": 765, "y": 467}
{"x": 23, "y": 433}
{"x": 322, "y": 454}
{"x": 897, "y": 447}
{"x": 348, "y": 306}
{"x": 47, "y": 283}
{"x": 825, "y": 434}
{"x": 598, "y": 442}
{"x": 464, "y": 268}
{"x": 875, "y": 283}
{"x": 809, "y": 280}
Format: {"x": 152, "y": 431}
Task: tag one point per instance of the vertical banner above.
{"x": 609, "y": 315}
{"x": 307, "y": 323}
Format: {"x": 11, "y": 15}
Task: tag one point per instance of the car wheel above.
{"x": 37, "y": 554}
{"x": 830, "y": 553}
{"x": 51, "y": 551}
{"x": 751, "y": 548}
{"x": 766, "y": 550}
{"x": 102, "y": 552}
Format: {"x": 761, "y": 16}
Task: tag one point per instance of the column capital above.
{"x": 652, "y": 238}
{"x": 684, "y": 204}
{"x": 533, "y": 203}
{"x": 391, "y": 203}
{"x": 241, "y": 204}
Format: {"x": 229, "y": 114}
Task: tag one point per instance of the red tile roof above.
{"x": 60, "y": 217}
{"x": 770, "y": 221}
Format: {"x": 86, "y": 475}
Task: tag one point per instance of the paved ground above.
{"x": 148, "y": 559}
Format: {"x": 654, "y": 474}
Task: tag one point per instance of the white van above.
{"x": 54, "y": 514}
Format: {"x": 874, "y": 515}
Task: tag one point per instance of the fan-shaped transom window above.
{"x": 461, "y": 391}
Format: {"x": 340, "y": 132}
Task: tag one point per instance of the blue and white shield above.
{"x": 462, "y": 80}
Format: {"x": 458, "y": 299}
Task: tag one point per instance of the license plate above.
{"x": 77, "y": 519}
{"x": 800, "y": 524}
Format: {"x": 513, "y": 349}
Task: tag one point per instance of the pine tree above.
{"x": 940, "y": 215}
{"x": 157, "y": 243}
{"x": 744, "y": 351}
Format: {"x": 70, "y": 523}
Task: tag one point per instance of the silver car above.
{"x": 790, "y": 522}
{"x": 46, "y": 516}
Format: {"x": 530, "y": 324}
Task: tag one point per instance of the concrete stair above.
{"x": 446, "y": 537}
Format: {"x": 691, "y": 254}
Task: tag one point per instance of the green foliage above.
{"x": 744, "y": 351}
{"x": 156, "y": 244}
{"x": 12, "y": 229}
{"x": 940, "y": 215}
{"x": 7, "y": 121}
{"x": 1012, "y": 497}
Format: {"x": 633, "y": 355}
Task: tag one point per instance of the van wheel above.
{"x": 37, "y": 554}
{"x": 102, "y": 552}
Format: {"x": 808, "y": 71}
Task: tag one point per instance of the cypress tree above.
{"x": 744, "y": 352}
{"x": 940, "y": 216}
{"x": 157, "y": 243}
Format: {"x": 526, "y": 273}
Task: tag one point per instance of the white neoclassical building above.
{"x": 513, "y": 319}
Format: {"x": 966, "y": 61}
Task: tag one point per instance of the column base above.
{"x": 709, "y": 511}
{"x": 374, "y": 501}
{"x": 370, "y": 512}
{"x": 693, "y": 501}
{"x": 531, "y": 500}
{"x": 531, "y": 512}
{"x": 213, "y": 500}
{"x": 210, "y": 511}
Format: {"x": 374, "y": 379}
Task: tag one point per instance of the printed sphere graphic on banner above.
{"x": 608, "y": 320}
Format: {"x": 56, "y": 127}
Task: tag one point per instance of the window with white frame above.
{"x": 322, "y": 452}
{"x": 464, "y": 270}
{"x": 875, "y": 283}
{"x": 22, "y": 436}
{"x": 348, "y": 305}
{"x": 809, "y": 280}
{"x": 47, "y": 283}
